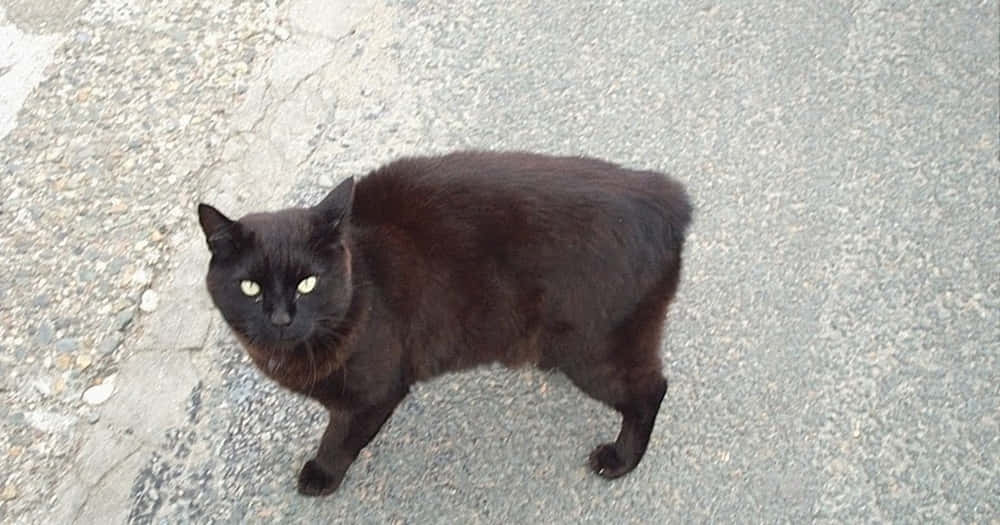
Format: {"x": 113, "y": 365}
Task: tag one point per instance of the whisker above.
{"x": 343, "y": 382}
{"x": 312, "y": 368}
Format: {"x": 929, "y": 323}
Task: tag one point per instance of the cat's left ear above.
{"x": 337, "y": 204}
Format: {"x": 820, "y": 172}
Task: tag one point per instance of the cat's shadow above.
{"x": 483, "y": 445}
{"x": 481, "y": 428}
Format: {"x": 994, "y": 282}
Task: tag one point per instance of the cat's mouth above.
{"x": 287, "y": 336}
{"x": 290, "y": 338}
{"x": 281, "y": 341}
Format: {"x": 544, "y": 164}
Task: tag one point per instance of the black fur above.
{"x": 429, "y": 265}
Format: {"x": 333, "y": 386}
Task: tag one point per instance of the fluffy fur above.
{"x": 436, "y": 264}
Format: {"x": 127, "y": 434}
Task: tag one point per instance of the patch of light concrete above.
{"x": 23, "y": 58}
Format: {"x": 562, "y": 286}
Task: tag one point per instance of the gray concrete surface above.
{"x": 833, "y": 353}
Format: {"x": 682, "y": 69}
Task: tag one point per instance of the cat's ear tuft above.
{"x": 221, "y": 232}
{"x": 337, "y": 204}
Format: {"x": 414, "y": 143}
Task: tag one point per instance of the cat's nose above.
{"x": 280, "y": 317}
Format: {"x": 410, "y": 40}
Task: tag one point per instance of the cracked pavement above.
{"x": 833, "y": 352}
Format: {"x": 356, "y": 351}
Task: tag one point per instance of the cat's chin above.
{"x": 276, "y": 346}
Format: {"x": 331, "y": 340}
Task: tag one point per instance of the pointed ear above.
{"x": 212, "y": 220}
{"x": 337, "y": 204}
{"x": 221, "y": 232}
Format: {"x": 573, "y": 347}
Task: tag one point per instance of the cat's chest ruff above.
{"x": 299, "y": 368}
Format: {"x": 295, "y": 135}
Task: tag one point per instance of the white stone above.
{"x": 141, "y": 277}
{"x": 149, "y": 301}
{"x": 98, "y": 394}
{"x": 41, "y": 385}
{"x": 49, "y": 422}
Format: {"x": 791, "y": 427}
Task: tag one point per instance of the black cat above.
{"x": 428, "y": 265}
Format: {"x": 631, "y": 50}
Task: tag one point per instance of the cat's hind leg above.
{"x": 635, "y": 390}
{"x": 638, "y": 412}
{"x": 628, "y": 376}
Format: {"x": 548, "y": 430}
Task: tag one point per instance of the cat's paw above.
{"x": 314, "y": 480}
{"x": 606, "y": 462}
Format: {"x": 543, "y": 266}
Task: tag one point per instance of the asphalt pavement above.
{"x": 832, "y": 352}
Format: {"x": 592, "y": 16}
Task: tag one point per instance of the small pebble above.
{"x": 150, "y": 300}
{"x": 54, "y": 154}
{"x": 42, "y": 386}
{"x": 123, "y": 318}
{"x": 49, "y": 422}
{"x": 83, "y": 361}
{"x": 9, "y": 493}
{"x": 98, "y": 394}
{"x": 116, "y": 265}
{"x": 110, "y": 343}
{"x": 66, "y": 344}
{"x": 63, "y": 361}
{"x": 45, "y": 334}
{"x": 141, "y": 277}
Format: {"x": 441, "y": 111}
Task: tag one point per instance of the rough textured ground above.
{"x": 833, "y": 353}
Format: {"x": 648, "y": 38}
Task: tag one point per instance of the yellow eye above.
{"x": 249, "y": 288}
{"x": 306, "y": 285}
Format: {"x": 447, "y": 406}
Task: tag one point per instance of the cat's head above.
{"x": 282, "y": 278}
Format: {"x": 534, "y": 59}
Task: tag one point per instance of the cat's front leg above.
{"x": 323, "y": 474}
{"x": 346, "y": 434}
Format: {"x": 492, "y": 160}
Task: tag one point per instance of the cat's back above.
{"x": 516, "y": 193}
{"x": 502, "y": 247}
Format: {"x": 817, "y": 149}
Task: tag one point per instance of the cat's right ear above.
{"x": 337, "y": 204}
{"x": 221, "y": 232}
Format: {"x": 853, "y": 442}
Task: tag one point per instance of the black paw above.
{"x": 606, "y": 462}
{"x": 314, "y": 480}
